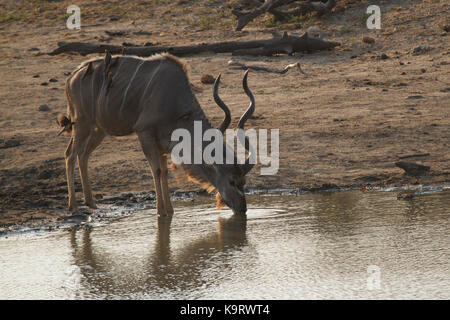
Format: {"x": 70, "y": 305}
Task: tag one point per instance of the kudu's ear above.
{"x": 107, "y": 62}
{"x": 88, "y": 70}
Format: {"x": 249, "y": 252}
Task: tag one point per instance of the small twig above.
{"x": 240, "y": 65}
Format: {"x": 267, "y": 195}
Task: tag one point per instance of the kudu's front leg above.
{"x": 153, "y": 155}
{"x": 164, "y": 185}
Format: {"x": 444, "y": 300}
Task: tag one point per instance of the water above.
{"x": 343, "y": 245}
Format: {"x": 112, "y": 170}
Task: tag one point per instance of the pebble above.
{"x": 53, "y": 80}
{"x": 420, "y": 49}
{"x": 207, "y": 79}
{"x": 43, "y": 107}
{"x": 11, "y": 143}
{"x": 368, "y": 40}
{"x": 384, "y": 56}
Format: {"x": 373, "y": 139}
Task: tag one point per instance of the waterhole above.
{"x": 336, "y": 245}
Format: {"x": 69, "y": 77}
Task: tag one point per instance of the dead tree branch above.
{"x": 287, "y": 44}
{"x": 272, "y": 6}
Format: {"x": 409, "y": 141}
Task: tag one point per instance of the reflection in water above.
{"x": 311, "y": 246}
{"x": 163, "y": 270}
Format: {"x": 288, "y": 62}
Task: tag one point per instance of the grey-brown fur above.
{"x": 119, "y": 95}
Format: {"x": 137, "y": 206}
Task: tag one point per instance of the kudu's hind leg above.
{"x": 93, "y": 141}
{"x": 152, "y": 153}
{"x": 164, "y": 185}
{"x": 70, "y": 165}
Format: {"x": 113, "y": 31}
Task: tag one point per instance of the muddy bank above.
{"x": 360, "y": 109}
{"x": 37, "y": 197}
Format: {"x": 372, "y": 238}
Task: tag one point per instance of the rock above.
{"x": 36, "y": 76}
{"x": 43, "y": 107}
{"x": 445, "y": 27}
{"x": 53, "y": 80}
{"x": 44, "y": 84}
{"x": 423, "y": 70}
{"x": 353, "y": 57}
{"x": 406, "y": 196}
{"x": 413, "y": 169}
{"x": 10, "y": 144}
{"x": 207, "y": 79}
{"x": 368, "y": 40}
{"x": 421, "y": 49}
{"x": 384, "y": 56}
{"x": 46, "y": 174}
{"x": 324, "y": 187}
{"x": 314, "y": 32}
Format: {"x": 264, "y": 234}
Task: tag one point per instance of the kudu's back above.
{"x": 129, "y": 94}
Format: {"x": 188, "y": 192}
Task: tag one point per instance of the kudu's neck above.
{"x": 200, "y": 171}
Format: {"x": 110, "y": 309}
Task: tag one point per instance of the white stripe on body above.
{"x": 129, "y": 84}
{"x": 148, "y": 83}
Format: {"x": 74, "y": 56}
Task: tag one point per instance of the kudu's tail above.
{"x": 65, "y": 123}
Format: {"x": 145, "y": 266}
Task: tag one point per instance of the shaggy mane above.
{"x": 195, "y": 176}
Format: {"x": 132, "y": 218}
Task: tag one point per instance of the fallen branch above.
{"x": 233, "y": 63}
{"x": 271, "y": 6}
{"x": 245, "y": 18}
{"x": 287, "y": 44}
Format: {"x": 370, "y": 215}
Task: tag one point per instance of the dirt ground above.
{"x": 343, "y": 124}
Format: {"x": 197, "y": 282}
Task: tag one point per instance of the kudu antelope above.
{"x": 119, "y": 95}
